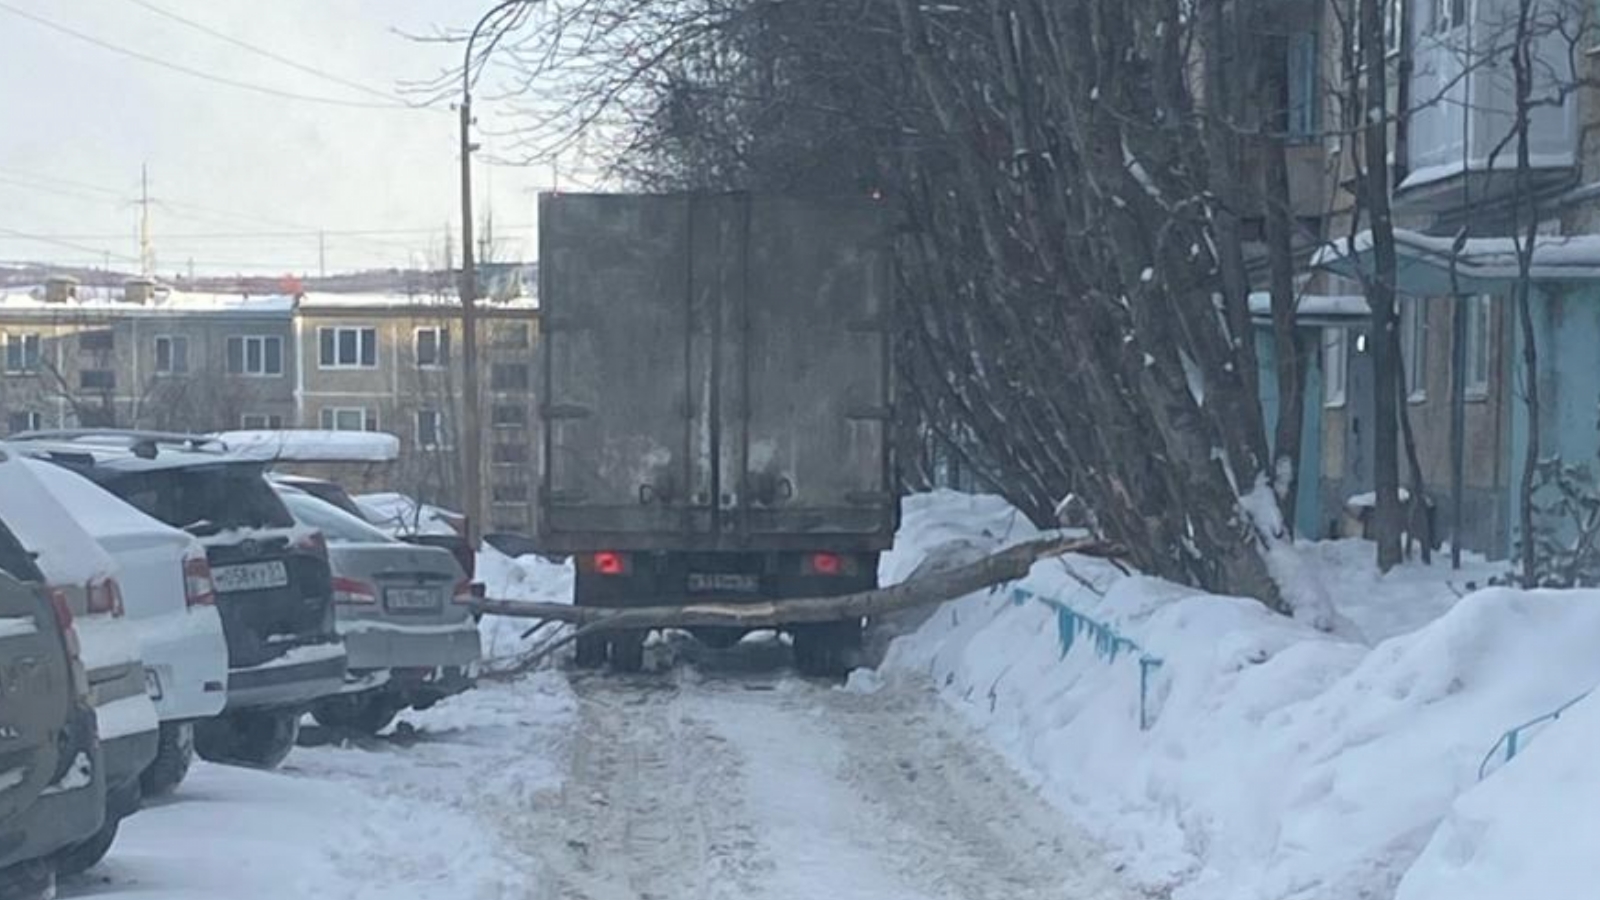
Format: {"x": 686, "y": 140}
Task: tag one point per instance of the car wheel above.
{"x": 80, "y": 858}
{"x": 174, "y": 754}
{"x": 363, "y": 713}
{"x": 31, "y": 880}
{"x": 257, "y": 739}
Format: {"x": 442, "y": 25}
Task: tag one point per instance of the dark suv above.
{"x": 52, "y": 792}
{"x": 273, "y": 585}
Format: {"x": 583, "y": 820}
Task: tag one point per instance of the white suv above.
{"x": 171, "y": 603}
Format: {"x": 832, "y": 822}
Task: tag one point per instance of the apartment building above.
{"x": 149, "y": 357}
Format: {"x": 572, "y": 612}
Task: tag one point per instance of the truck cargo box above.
{"x": 715, "y": 373}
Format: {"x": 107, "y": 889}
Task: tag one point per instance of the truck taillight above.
{"x": 610, "y": 562}
{"x": 825, "y": 564}
{"x": 198, "y": 588}
{"x": 104, "y": 597}
{"x": 349, "y": 591}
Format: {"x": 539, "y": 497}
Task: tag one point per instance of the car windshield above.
{"x": 338, "y": 526}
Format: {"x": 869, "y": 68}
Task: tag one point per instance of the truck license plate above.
{"x": 412, "y": 599}
{"x": 720, "y": 582}
{"x": 250, "y": 577}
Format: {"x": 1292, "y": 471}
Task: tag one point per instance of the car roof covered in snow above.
{"x": 129, "y": 451}
{"x": 66, "y": 553}
{"x": 313, "y": 445}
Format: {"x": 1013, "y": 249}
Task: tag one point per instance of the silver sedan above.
{"x": 404, "y": 612}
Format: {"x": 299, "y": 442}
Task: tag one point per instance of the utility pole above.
{"x": 147, "y": 263}
{"x": 471, "y": 413}
{"x": 191, "y": 273}
{"x": 322, "y": 254}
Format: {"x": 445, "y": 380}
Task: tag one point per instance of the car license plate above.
{"x": 152, "y": 684}
{"x": 723, "y": 582}
{"x": 250, "y": 576}
{"x": 412, "y": 599}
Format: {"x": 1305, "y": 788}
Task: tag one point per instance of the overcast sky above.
{"x": 79, "y": 120}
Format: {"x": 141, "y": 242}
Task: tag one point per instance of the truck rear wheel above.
{"x": 826, "y": 650}
{"x": 627, "y": 651}
{"x": 591, "y": 651}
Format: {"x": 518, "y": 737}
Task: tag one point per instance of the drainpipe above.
{"x": 298, "y": 326}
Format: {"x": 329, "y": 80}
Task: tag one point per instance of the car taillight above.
{"x": 825, "y": 564}
{"x": 198, "y": 588}
{"x": 312, "y": 542}
{"x": 463, "y": 592}
{"x": 609, "y": 562}
{"x": 104, "y": 597}
{"x": 350, "y": 591}
{"x": 63, "y": 610}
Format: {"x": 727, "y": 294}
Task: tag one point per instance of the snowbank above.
{"x": 531, "y": 578}
{"x": 1281, "y": 761}
{"x": 432, "y": 816}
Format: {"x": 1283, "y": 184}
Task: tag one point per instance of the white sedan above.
{"x": 171, "y": 603}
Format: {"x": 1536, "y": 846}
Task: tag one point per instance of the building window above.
{"x": 510, "y": 454}
{"x": 1414, "y": 346}
{"x": 508, "y": 377}
{"x": 349, "y": 418}
{"x": 1303, "y": 82}
{"x": 1447, "y": 14}
{"x": 1479, "y": 312}
{"x": 172, "y": 355}
{"x": 348, "y": 348}
{"x": 508, "y": 415}
{"x": 510, "y": 493}
{"x": 513, "y": 335}
{"x": 22, "y": 353}
{"x": 433, "y": 348}
{"x": 255, "y": 355}
{"x": 1335, "y": 364}
{"x": 260, "y": 422}
{"x": 97, "y": 341}
{"x": 97, "y": 380}
{"x": 26, "y": 420}
{"x": 430, "y": 430}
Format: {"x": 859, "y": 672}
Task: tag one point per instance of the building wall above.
{"x": 205, "y": 397}
{"x": 1348, "y": 442}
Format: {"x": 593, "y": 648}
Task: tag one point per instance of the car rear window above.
{"x": 206, "y": 499}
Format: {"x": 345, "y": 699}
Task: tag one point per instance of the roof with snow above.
{"x": 1314, "y": 309}
{"x": 164, "y": 302}
{"x": 1483, "y": 264}
{"x": 312, "y": 445}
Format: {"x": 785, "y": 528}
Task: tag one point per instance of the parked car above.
{"x": 86, "y": 578}
{"x": 171, "y": 603}
{"x": 52, "y": 783}
{"x": 320, "y": 488}
{"x": 415, "y": 522}
{"x": 273, "y": 586}
{"x": 402, "y": 608}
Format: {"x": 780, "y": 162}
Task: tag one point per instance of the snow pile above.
{"x": 1520, "y": 834}
{"x": 312, "y": 445}
{"x": 433, "y": 815}
{"x": 532, "y": 578}
{"x": 1281, "y": 760}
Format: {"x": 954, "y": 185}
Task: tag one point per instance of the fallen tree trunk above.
{"x": 1006, "y": 565}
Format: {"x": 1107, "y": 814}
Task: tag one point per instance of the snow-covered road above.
{"x": 692, "y": 784}
{"x": 719, "y": 786}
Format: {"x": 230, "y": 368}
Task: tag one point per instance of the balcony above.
{"x": 1460, "y": 147}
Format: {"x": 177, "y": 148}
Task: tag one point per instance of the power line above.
{"x": 197, "y": 73}
{"x": 276, "y": 57}
{"x": 70, "y": 245}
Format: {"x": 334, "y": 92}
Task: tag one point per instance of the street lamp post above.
{"x": 472, "y": 426}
